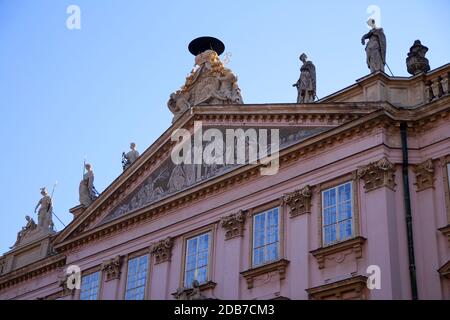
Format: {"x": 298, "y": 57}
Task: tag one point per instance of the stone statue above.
{"x": 129, "y": 157}
{"x": 87, "y": 190}
{"x": 45, "y": 210}
{"x": 375, "y": 48}
{"x": 31, "y": 225}
{"x": 416, "y": 62}
{"x": 178, "y": 103}
{"x": 306, "y": 84}
{"x": 209, "y": 83}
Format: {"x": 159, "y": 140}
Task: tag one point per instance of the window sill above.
{"x": 276, "y": 266}
{"x": 353, "y": 244}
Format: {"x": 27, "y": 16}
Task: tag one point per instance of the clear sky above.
{"x": 66, "y": 94}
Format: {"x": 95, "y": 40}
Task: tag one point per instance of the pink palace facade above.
{"x": 362, "y": 189}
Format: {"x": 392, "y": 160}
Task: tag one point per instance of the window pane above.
{"x": 344, "y": 192}
{"x": 266, "y": 236}
{"x": 90, "y": 286}
{"x": 330, "y": 234}
{"x": 329, "y": 197}
{"x": 258, "y": 256}
{"x": 197, "y": 259}
{"x": 345, "y": 210}
{"x": 136, "y": 278}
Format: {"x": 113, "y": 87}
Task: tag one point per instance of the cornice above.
{"x": 363, "y": 125}
{"x": 31, "y": 271}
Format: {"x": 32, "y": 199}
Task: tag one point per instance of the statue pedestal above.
{"x": 35, "y": 246}
{"x": 77, "y": 211}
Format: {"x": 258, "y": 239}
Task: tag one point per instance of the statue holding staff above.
{"x": 306, "y": 84}
{"x": 87, "y": 190}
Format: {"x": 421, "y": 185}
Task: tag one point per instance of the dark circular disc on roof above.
{"x": 202, "y": 44}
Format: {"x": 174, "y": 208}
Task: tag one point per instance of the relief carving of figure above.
{"x": 45, "y": 210}
{"x": 87, "y": 190}
{"x": 306, "y": 84}
{"x": 178, "y": 103}
{"x": 375, "y": 48}
{"x": 177, "y": 179}
{"x": 208, "y": 83}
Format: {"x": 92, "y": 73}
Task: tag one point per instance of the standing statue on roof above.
{"x": 375, "y": 48}
{"x": 87, "y": 190}
{"x": 45, "y": 206}
{"x": 306, "y": 84}
{"x": 130, "y": 157}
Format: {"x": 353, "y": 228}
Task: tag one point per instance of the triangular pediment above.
{"x": 154, "y": 177}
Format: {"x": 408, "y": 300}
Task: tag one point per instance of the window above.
{"x": 266, "y": 244}
{"x": 337, "y": 213}
{"x": 197, "y": 258}
{"x": 136, "y": 278}
{"x": 90, "y": 286}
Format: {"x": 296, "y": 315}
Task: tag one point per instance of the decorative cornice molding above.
{"x": 354, "y": 245}
{"x": 234, "y": 225}
{"x": 316, "y": 144}
{"x": 378, "y": 174}
{"x": 279, "y": 266}
{"x": 32, "y": 271}
{"x": 424, "y": 175}
{"x": 112, "y": 268}
{"x": 299, "y": 201}
{"x": 162, "y": 250}
{"x": 335, "y": 290}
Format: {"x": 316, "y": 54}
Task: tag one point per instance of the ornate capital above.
{"x": 299, "y": 201}
{"x": 378, "y": 174}
{"x": 233, "y": 225}
{"x": 63, "y": 281}
{"x": 424, "y": 175}
{"x": 162, "y": 250}
{"x": 112, "y": 268}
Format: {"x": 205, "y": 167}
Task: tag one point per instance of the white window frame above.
{"x": 146, "y": 276}
{"x": 83, "y": 289}
{"x": 265, "y": 261}
{"x": 352, "y": 202}
{"x": 208, "y": 264}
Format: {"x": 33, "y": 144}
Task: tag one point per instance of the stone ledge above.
{"x": 336, "y": 289}
{"x": 251, "y": 274}
{"x": 444, "y": 271}
{"x": 354, "y": 244}
{"x": 446, "y": 232}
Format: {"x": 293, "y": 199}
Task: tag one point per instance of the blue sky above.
{"x": 66, "y": 94}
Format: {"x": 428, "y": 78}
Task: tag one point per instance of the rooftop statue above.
{"x": 416, "y": 62}
{"x": 306, "y": 84}
{"x": 130, "y": 157}
{"x": 209, "y": 81}
{"x": 87, "y": 190}
{"x": 375, "y": 48}
{"x": 30, "y": 226}
{"x": 45, "y": 206}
